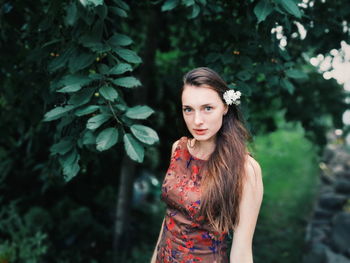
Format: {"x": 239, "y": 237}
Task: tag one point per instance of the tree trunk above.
{"x": 121, "y": 242}
{"x": 124, "y": 198}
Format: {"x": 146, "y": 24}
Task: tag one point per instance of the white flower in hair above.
{"x": 232, "y": 97}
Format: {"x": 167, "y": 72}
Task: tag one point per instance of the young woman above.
{"x": 212, "y": 185}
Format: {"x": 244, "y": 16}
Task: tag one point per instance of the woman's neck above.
{"x": 202, "y": 149}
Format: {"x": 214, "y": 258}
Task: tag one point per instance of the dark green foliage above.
{"x": 25, "y": 240}
{"x": 85, "y": 57}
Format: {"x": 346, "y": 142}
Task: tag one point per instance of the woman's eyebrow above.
{"x": 207, "y": 104}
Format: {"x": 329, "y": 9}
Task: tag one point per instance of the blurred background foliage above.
{"x": 89, "y": 87}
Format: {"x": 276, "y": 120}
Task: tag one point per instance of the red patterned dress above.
{"x": 186, "y": 237}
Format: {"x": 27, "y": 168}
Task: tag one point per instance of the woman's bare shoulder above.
{"x": 253, "y": 168}
{"x": 175, "y": 144}
{"x": 250, "y": 160}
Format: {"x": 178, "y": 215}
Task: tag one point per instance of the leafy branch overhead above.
{"x": 256, "y": 45}
{"x": 91, "y": 65}
{"x": 264, "y": 8}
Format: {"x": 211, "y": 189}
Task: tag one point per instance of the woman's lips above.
{"x": 200, "y": 131}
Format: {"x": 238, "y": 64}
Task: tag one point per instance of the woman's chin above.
{"x": 203, "y": 137}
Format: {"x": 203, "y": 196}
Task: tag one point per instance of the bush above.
{"x": 20, "y": 240}
{"x": 289, "y": 165}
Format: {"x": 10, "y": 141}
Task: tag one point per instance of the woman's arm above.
{"x": 153, "y": 260}
{"x": 253, "y": 190}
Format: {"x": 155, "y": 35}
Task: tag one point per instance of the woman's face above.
{"x": 203, "y": 110}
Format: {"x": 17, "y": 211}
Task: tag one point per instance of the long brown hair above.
{"x": 224, "y": 170}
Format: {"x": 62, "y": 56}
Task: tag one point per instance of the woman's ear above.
{"x": 226, "y": 109}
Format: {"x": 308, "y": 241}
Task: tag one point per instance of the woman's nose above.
{"x": 198, "y": 118}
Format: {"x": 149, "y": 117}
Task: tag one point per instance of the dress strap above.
{"x": 183, "y": 142}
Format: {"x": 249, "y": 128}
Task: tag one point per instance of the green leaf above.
{"x": 86, "y": 110}
{"x": 103, "y": 68}
{"x": 217, "y": 9}
{"x": 287, "y": 85}
{"x": 102, "y": 11}
{"x": 243, "y": 87}
{"x": 75, "y": 79}
{"x": 118, "y": 11}
{"x": 120, "y": 40}
{"x": 290, "y": 6}
{"x": 105, "y": 109}
{"x": 81, "y": 97}
{"x": 127, "y": 82}
{"x": 188, "y": 2}
{"x": 91, "y": 2}
{"x": 70, "y": 165}
{"x": 169, "y": 5}
{"x": 133, "y": 148}
{"x": 70, "y": 88}
{"x": 144, "y": 134}
{"x": 122, "y": 4}
{"x": 244, "y": 75}
{"x": 96, "y": 76}
{"x": 89, "y": 137}
{"x": 92, "y": 38}
{"x": 227, "y": 58}
{"x": 72, "y": 14}
{"x": 195, "y": 12}
{"x": 246, "y": 63}
{"x": 96, "y": 121}
{"x": 106, "y": 139}
{"x": 85, "y": 14}
{"x": 80, "y": 60}
{"x": 296, "y": 74}
{"x": 57, "y": 113}
{"x": 99, "y": 47}
{"x": 61, "y": 60}
{"x": 273, "y": 81}
{"x": 128, "y": 55}
{"x": 51, "y": 42}
{"x": 262, "y": 10}
{"x": 63, "y": 146}
{"x": 73, "y": 83}
{"x": 260, "y": 77}
{"x": 64, "y": 122}
{"x": 120, "y": 69}
{"x": 108, "y": 93}
{"x": 121, "y": 107}
{"x": 139, "y": 112}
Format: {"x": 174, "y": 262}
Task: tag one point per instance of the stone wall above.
{"x": 328, "y": 232}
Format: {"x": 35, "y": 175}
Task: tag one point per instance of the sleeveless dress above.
{"x": 186, "y": 237}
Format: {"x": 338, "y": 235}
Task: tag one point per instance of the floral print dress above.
{"x": 186, "y": 237}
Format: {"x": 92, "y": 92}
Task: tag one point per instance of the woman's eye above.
{"x": 185, "y": 109}
{"x": 208, "y": 107}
